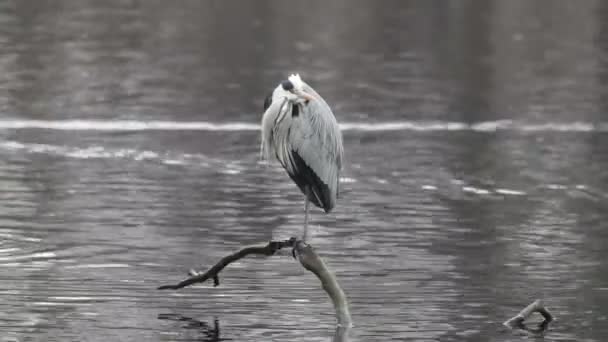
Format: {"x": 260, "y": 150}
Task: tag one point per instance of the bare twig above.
{"x": 518, "y": 320}
{"x": 195, "y": 277}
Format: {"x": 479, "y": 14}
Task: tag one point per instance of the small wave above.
{"x": 227, "y": 167}
{"x": 11, "y": 235}
{"x": 475, "y": 190}
{"x": 64, "y": 298}
{"x": 421, "y": 126}
{"x": 405, "y": 126}
{"x": 556, "y": 186}
{"x": 230, "y": 171}
{"x": 126, "y": 125}
{"x": 499, "y": 191}
{"x": 510, "y": 192}
{"x": 99, "y": 266}
{"x": 58, "y": 304}
{"x": 173, "y": 162}
{"x": 100, "y": 152}
{"x": 80, "y": 153}
{"x": 32, "y": 256}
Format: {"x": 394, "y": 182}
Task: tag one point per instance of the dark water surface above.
{"x": 476, "y": 177}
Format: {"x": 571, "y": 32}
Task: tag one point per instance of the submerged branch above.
{"x": 195, "y": 277}
{"x": 518, "y": 320}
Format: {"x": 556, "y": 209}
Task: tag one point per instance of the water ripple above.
{"x": 421, "y": 126}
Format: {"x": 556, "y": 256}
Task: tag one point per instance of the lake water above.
{"x": 475, "y": 181}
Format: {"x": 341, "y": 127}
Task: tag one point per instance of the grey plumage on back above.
{"x": 300, "y": 129}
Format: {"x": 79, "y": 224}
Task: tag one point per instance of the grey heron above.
{"x": 299, "y": 128}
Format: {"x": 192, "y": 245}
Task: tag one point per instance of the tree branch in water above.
{"x": 197, "y": 277}
{"x": 313, "y": 262}
{"x": 518, "y": 320}
{"x": 307, "y": 257}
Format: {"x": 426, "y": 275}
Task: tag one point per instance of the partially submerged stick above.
{"x": 518, "y": 320}
{"x": 313, "y": 262}
{"x": 307, "y": 257}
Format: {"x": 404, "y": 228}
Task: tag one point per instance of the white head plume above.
{"x": 296, "y": 81}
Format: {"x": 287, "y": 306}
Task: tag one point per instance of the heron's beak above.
{"x": 306, "y": 96}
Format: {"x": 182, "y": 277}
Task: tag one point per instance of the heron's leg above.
{"x": 306, "y": 205}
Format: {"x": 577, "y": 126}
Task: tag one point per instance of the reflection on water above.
{"x": 206, "y": 332}
{"x": 475, "y": 179}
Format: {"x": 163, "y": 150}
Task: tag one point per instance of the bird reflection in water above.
{"x": 208, "y": 332}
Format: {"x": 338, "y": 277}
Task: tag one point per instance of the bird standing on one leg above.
{"x": 300, "y": 129}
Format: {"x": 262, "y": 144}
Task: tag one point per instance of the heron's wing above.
{"x": 324, "y": 121}
{"x": 313, "y": 151}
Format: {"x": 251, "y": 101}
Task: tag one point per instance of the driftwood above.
{"x": 309, "y": 259}
{"x": 518, "y": 321}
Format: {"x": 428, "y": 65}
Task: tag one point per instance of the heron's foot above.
{"x": 295, "y": 246}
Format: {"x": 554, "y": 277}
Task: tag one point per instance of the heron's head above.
{"x": 291, "y": 89}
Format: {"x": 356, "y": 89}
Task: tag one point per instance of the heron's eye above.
{"x": 287, "y": 85}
